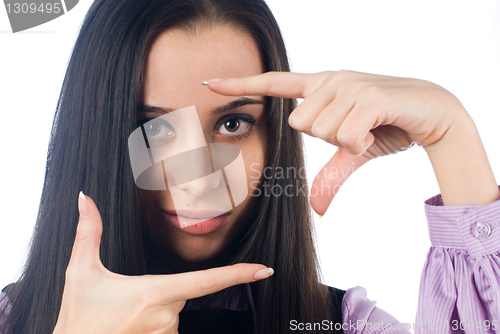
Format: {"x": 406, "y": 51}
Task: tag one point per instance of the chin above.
{"x": 197, "y": 251}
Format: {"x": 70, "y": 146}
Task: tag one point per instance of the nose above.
{"x": 204, "y": 186}
{"x": 192, "y": 173}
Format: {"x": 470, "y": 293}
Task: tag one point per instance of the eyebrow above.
{"x": 243, "y": 101}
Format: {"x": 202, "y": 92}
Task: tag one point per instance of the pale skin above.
{"x": 176, "y": 65}
{"x": 364, "y": 115}
{"x": 368, "y": 116}
{"x": 96, "y": 300}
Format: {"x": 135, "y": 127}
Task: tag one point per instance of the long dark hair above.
{"x": 96, "y": 113}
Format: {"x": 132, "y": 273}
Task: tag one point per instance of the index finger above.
{"x": 195, "y": 284}
{"x": 280, "y": 84}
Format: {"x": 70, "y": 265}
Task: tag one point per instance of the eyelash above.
{"x": 240, "y": 117}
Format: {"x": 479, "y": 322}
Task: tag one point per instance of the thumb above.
{"x": 331, "y": 177}
{"x": 88, "y": 234}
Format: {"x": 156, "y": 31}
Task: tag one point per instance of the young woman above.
{"x": 132, "y": 268}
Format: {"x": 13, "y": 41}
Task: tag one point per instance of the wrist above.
{"x": 461, "y": 131}
{"x": 461, "y": 165}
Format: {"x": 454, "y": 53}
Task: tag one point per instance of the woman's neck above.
{"x": 163, "y": 260}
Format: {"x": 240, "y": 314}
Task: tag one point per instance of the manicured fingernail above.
{"x": 263, "y": 273}
{"x": 206, "y": 82}
{"x": 82, "y": 205}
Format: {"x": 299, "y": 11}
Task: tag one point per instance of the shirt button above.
{"x": 481, "y": 230}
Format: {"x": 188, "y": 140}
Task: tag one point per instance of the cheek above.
{"x": 255, "y": 161}
{"x": 254, "y": 166}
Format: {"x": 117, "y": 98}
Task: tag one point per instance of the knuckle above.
{"x": 84, "y": 274}
{"x": 271, "y": 85}
{"x": 342, "y": 75}
{"x": 240, "y": 86}
{"x": 328, "y": 75}
{"x": 83, "y": 231}
{"x": 372, "y": 91}
{"x": 333, "y": 84}
{"x": 318, "y": 130}
{"x": 73, "y": 274}
{"x": 208, "y": 285}
{"x": 240, "y": 276}
{"x": 336, "y": 80}
{"x": 346, "y": 137}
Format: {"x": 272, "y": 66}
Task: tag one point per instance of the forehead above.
{"x": 178, "y": 62}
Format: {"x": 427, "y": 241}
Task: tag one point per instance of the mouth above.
{"x": 196, "y": 221}
{"x": 196, "y": 214}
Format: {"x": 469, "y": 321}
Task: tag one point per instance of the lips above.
{"x": 196, "y": 221}
{"x": 196, "y": 214}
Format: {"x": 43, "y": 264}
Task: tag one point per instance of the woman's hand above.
{"x": 368, "y": 116}
{"x": 96, "y": 300}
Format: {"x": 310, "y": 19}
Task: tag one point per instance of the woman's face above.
{"x": 176, "y": 66}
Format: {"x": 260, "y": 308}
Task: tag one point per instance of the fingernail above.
{"x": 320, "y": 216}
{"x": 206, "y": 82}
{"x": 263, "y": 273}
{"x": 82, "y": 205}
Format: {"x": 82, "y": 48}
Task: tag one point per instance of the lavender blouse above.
{"x": 460, "y": 282}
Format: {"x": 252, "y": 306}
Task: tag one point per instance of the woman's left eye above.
{"x": 235, "y": 125}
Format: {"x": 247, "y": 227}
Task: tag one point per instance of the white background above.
{"x": 374, "y": 233}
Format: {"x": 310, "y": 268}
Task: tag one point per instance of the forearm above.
{"x": 461, "y": 166}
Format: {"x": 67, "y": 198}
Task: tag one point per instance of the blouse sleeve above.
{"x": 460, "y": 282}
{"x": 361, "y": 316}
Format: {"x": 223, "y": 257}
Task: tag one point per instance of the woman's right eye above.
{"x": 158, "y": 131}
